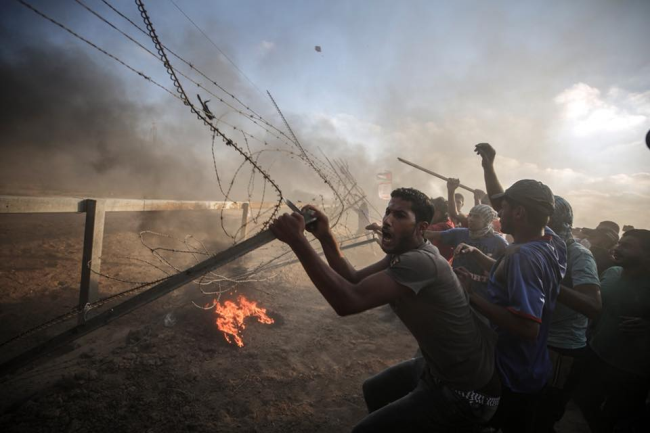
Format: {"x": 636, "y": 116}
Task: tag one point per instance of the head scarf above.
{"x": 486, "y": 214}
{"x": 562, "y": 219}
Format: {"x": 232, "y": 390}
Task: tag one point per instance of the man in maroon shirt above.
{"x": 439, "y": 223}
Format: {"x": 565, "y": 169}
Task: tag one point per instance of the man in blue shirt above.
{"x": 523, "y": 288}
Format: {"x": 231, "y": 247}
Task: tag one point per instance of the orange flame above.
{"x": 231, "y": 318}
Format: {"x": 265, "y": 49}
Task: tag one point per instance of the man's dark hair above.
{"x": 533, "y": 216}
{"x": 421, "y": 205}
{"x": 459, "y": 196}
{"x": 610, "y": 224}
{"x": 642, "y": 235}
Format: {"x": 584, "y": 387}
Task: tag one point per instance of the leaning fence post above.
{"x": 92, "y": 252}
{"x": 244, "y": 220}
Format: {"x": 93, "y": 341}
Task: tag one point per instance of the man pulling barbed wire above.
{"x": 453, "y": 386}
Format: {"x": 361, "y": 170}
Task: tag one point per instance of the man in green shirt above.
{"x": 616, "y": 375}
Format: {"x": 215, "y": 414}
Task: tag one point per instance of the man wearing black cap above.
{"x": 522, "y": 289}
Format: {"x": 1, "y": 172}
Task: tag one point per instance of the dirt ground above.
{"x": 303, "y": 373}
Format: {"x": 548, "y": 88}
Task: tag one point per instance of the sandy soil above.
{"x": 301, "y": 374}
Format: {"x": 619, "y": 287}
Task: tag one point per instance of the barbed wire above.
{"x": 101, "y": 50}
{"x": 245, "y": 106}
{"x": 305, "y": 155}
{"x": 193, "y": 247}
{"x": 200, "y": 115}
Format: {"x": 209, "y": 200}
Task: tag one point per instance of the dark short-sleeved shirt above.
{"x": 568, "y": 327}
{"x": 458, "y": 347}
{"x": 445, "y": 250}
{"x": 623, "y": 297}
{"x": 492, "y": 245}
{"x": 603, "y": 258}
{"x": 526, "y": 281}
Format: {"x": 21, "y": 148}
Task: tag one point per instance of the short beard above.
{"x": 402, "y": 245}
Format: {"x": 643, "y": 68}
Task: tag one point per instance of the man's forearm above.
{"x": 586, "y": 301}
{"x": 433, "y": 236}
{"x": 484, "y": 261}
{"x": 337, "y": 260}
{"x": 451, "y": 203}
{"x": 504, "y": 319}
{"x": 492, "y": 185}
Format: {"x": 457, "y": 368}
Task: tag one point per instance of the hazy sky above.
{"x": 560, "y": 89}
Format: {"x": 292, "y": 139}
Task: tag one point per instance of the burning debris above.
{"x": 231, "y": 318}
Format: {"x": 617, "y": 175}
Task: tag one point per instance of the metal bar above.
{"x": 167, "y": 286}
{"x": 433, "y": 173}
{"x": 92, "y": 252}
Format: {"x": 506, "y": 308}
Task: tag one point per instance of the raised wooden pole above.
{"x": 433, "y": 173}
{"x": 92, "y": 253}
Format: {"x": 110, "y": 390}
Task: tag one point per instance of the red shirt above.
{"x": 446, "y": 251}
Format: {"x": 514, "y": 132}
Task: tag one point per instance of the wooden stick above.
{"x": 433, "y": 173}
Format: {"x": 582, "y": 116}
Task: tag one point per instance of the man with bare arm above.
{"x": 454, "y": 385}
{"x": 522, "y": 289}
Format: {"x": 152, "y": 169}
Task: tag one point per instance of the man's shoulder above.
{"x": 497, "y": 240}
{"x": 534, "y": 253}
{"x": 457, "y": 234}
{"x": 424, "y": 253}
{"x": 613, "y": 273}
{"x": 550, "y": 243}
{"x": 578, "y": 253}
{"x": 513, "y": 249}
{"x": 577, "y": 248}
{"x": 441, "y": 226}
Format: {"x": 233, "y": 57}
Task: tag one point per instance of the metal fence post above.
{"x": 244, "y": 220}
{"x": 92, "y": 252}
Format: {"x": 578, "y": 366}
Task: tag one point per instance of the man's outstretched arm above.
{"x": 504, "y": 318}
{"x": 484, "y": 261}
{"x": 492, "y": 184}
{"x": 344, "y": 296}
{"x": 433, "y": 236}
{"x": 585, "y": 299}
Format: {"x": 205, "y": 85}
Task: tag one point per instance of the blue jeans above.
{"x": 399, "y": 399}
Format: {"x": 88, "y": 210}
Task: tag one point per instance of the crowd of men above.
{"x": 515, "y": 312}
